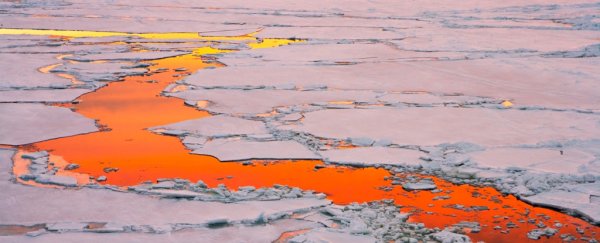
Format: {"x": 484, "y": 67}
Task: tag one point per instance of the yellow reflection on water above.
{"x": 86, "y": 33}
{"x": 507, "y": 104}
{"x": 254, "y": 42}
{"x": 271, "y": 42}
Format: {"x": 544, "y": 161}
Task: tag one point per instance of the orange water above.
{"x": 127, "y": 108}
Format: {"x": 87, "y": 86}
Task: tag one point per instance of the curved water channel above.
{"x": 125, "y": 109}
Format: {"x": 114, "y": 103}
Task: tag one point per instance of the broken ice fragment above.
{"x": 168, "y": 193}
{"x": 56, "y": 180}
{"x": 421, "y": 185}
{"x": 110, "y": 169}
{"x": 27, "y": 177}
{"x": 216, "y": 223}
{"x": 64, "y": 227}
{"x": 164, "y": 185}
{"x": 109, "y": 228}
{"x": 71, "y": 166}
{"x": 537, "y": 233}
{"x": 36, "y": 233}
{"x": 449, "y": 237}
{"x": 35, "y": 155}
{"x": 362, "y": 141}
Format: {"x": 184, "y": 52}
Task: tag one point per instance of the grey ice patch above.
{"x": 66, "y": 181}
{"x": 449, "y": 237}
{"x": 579, "y": 198}
{"x": 217, "y": 126}
{"x": 28, "y": 123}
{"x": 373, "y": 156}
{"x": 421, "y": 185}
{"x": 238, "y": 150}
{"x": 65, "y": 227}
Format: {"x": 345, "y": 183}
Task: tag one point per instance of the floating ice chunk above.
{"x": 383, "y": 142}
{"x": 66, "y": 226}
{"x": 21, "y": 70}
{"x": 37, "y": 122}
{"x": 537, "y": 159}
{"x": 373, "y": 155}
{"x": 292, "y": 117}
{"x": 71, "y": 166}
{"x": 578, "y": 198}
{"x": 194, "y": 140}
{"x": 56, "y": 180}
{"x": 421, "y": 185}
{"x": 164, "y": 185}
{"x": 217, "y": 126}
{"x": 176, "y": 133}
{"x": 217, "y": 222}
{"x": 449, "y": 237}
{"x": 237, "y": 150}
{"x": 110, "y": 227}
{"x": 35, "y": 155}
{"x": 535, "y": 234}
{"x": 36, "y": 233}
{"x": 257, "y": 101}
{"x": 362, "y": 141}
{"x": 439, "y": 125}
{"x": 322, "y": 235}
{"x": 176, "y": 193}
{"x": 42, "y": 95}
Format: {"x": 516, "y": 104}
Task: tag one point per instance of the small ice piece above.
{"x": 110, "y": 169}
{"x": 473, "y": 227}
{"x": 35, "y": 155}
{"x": 37, "y": 169}
{"x": 175, "y": 133}
{"x": 359, "y": 227}
{"x": 246, "y": 188}
{"x": 40, "y": 161}
{"x": 331, "y": 211}
{"x": 71, "y": 166}
{"x": 164, "y": 185}
{"x": 383, "y": 143}
{"x": 362, "y": 141}
{"x": 200, "y": 184}
{"x": 421, "y": 185}
{"x": 449, "y": 237}
{"x": 537, "y": 233}
{"x": 167, "y": 193}
{"x": 27, "y": 177}
{"x": 65, "y": 226}
{"x": 161, "y": 229}
{"x": 194, "y": 140}
{"x": 38, "y": 122}
{"x": 265, "y": 136}
{"x": 241, "y": 150}
{"x": 36, "y": 233}
{"x": 190, "y": 102}
{"x": 101, "y": 178}
{"x": 56, "y": 180}
{"x": 109, "y": 228}
{"x": 217, "y": 222}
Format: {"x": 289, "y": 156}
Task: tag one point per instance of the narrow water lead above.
{"x": 128, "y": 107}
